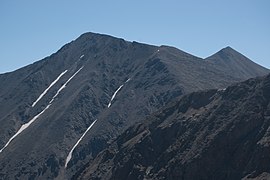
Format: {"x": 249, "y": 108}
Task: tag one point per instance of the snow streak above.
{"x": 128, "y": 80}
{"x": 224, "y": 89}
{"x": 26, "y": 125}
{"x": 64, "y": 85}
{"x": 46, "y": 90}
{"x": 114, "y": 94}
{"x": 77, "y": 143}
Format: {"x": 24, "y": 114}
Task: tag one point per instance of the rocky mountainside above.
{"x": 230, "y": 61}
{"x": 57, "y": 114}
{"x": 214, "y": 134}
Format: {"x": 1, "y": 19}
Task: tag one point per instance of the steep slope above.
{"x": 59, "y": 113}
{"x": 214, "y": 134}
{"x": 230, "y": 61}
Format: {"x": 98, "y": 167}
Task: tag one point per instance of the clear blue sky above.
{"x": 31, "y": 30}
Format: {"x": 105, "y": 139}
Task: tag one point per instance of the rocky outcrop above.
{"x": 215, "y": 134}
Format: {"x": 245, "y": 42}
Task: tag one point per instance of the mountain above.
{"x": 213, "y": 134}
{"x": 230, "y": 61}
{"x": 59, "y": 113}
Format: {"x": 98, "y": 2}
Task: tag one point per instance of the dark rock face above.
{"x": 158, "y": 75}
{"x": 205, "y": 135}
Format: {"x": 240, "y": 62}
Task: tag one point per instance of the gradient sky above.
{"x": 31, "y": 30}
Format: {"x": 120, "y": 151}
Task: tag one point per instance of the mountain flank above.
{"x": 59, "y": 113}
{"x": 214, "y": 134}
{"x": 229, "y": 60}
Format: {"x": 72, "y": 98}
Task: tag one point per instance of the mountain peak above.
{"x": 93, "y": 34}
{"x": 102, "y": 83}
{"x": 225, "y": 52}
{"x": 97, "y": 37}
{"x": 230, "y": 60}
{"x": 228, "y": 48}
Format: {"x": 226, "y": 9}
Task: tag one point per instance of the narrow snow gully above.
{"x": 46, "y": 90}
{"x": 114, "y": 94}
{"x": 26, "y": 125}
{"x": 77, "y": 143}
{"x": 64, "y": 85}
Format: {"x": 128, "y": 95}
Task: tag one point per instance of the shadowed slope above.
{"x": 210, "y": 134}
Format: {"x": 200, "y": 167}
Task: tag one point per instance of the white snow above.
{"x": 64, "y": 85}
{"x": 224, "y": 89}
{"x": 128, "y": 80}
{"x": 46, "y": 90}
{"x": 114, "y": 94}
{"x": 77, "y": 143}
{"x": 82, "y": 56}
{"x": 26, "y": 125}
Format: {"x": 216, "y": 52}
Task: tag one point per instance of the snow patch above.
{"x": 77, "y": 143}
{"x": 46, "y": 90}
{"x": 81, "y": 56}
{"x": 26, "y": 125}
{"x": 224, "y": 89}
{"x": 128, "y": 80}
{"x": 114, "y": 94}
{"x": 64, "y": 85}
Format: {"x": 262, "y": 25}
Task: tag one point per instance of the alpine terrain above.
{"x": 105, "y": 108}
{"x": 213, "y": 134}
